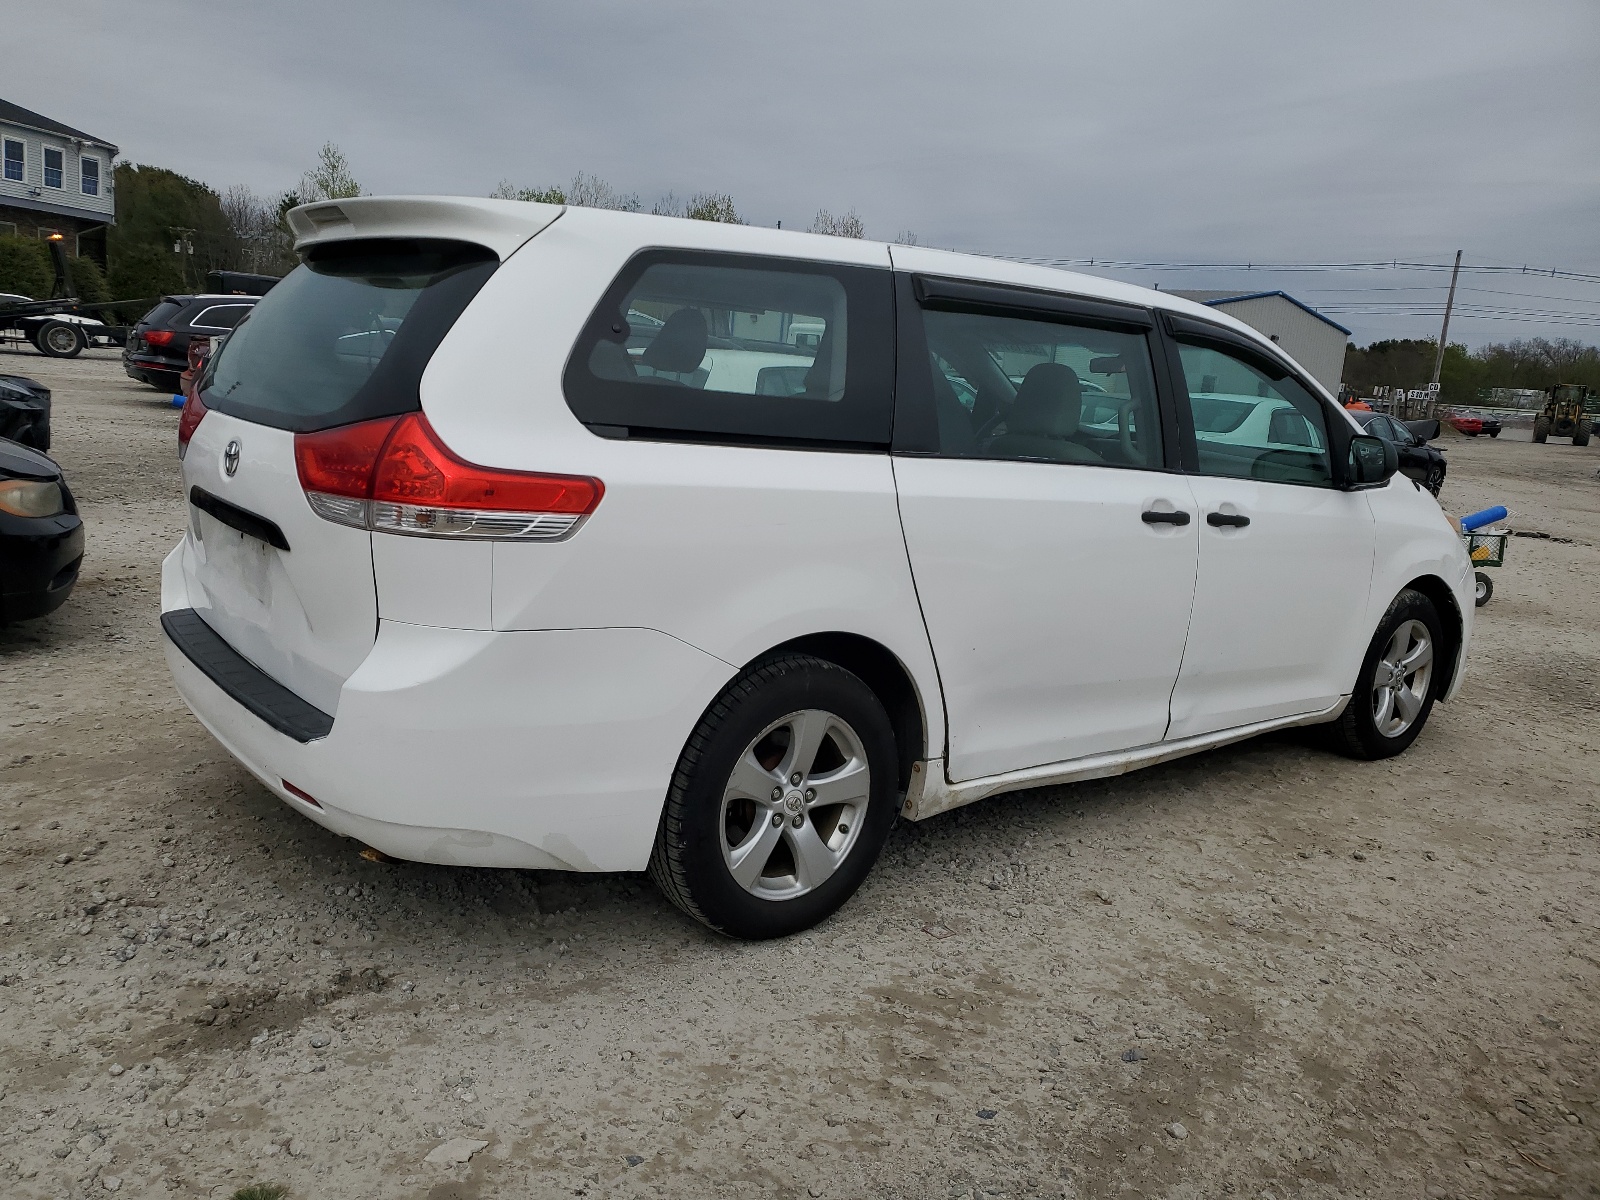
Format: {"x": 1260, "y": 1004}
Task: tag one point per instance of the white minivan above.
{"x": 525, "y": 536}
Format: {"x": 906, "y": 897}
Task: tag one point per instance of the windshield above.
{"x": 346, "y": 335}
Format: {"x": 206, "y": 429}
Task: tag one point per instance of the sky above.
{"x": 1164, "y": 133}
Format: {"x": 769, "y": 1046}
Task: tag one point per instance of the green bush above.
{"x": 88, "y": 281}
{"x": 261, "y": 1191}
{"x": 25, "y": 267}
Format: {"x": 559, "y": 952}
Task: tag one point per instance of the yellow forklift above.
{"x": 1563, "y": 415}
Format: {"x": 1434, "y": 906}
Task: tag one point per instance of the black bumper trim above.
{"x": 245, "y": 682}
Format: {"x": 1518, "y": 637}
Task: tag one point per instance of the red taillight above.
{"x": 189, "y": 420}
{"x": 396, "y": 475}
{"x": 158, "y": 337}
{"x": 340, "y": 462}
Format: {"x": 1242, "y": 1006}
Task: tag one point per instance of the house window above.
{"x": 16, "y": 160}
{"x": 8, "y": 229}
{"x": 89, "y": 169}
{"x": 53, "y": 161}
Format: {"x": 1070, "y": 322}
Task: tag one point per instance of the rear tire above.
{"x": 1402, "y": 661}
{"x": 1483, "y": 588}
{"x": 1541, "y": 429}
{"x": 744, "y": 847}
{"x": 60, "y": 339}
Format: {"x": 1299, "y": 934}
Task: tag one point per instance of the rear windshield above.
{"x": 345, "y": 336}
{"x": 162, "y": 313}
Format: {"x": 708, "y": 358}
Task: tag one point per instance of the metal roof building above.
{"x": 1311, "y": 339}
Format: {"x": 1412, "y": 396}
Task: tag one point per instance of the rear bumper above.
{"x": 548, "y": 749}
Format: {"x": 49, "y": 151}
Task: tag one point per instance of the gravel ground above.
{"x": 1265, "y": 971}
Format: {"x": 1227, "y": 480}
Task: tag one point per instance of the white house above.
{"x": 1310, "y": 338}
{"x": 54, "y": 179}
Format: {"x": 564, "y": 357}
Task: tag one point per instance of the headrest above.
{"x": 679, "y": 345}
{"x": 1049, "y": 402}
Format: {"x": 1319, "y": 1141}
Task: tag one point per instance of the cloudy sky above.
{"x": 1165, "y": 133}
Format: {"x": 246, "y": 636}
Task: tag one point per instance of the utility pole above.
{"x": 1444, "y": 334}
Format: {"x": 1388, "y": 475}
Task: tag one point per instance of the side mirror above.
{"x": 1372, "y": 463}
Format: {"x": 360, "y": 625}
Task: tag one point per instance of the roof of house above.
{"x": 1213, "y": 299}
{"x": 17, "y": 115}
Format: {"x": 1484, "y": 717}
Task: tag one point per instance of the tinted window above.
{"x": 345, "y": 336}
{"x": 1043, "y": 390}
{"x": 220, "y": 316}
{"x": 736, "y": 347}
{"x": 1251, "y": 426}
{"x": 162, "y": 313}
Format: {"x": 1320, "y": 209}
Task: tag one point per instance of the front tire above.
{"x": 1541, "y": 429}
{"x": 780, "y": 802}
{"x": 1482, "y": 589}
{"x": 1435, "y": 480}
{"x": 1580, "y": 435}
{"x": 1398, "y": 683}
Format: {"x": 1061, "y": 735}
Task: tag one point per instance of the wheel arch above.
{"x": 1450, "y": 619}
{"x": 881, "y": 670}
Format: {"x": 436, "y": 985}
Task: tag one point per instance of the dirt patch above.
{"x": 1333, "y": 978}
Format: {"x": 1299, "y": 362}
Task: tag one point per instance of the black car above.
{"x": 158, "y": 346}
{"x": 41, "y": 535}
{"x": 1418, "y": 460}
{"x": 25, "y": 411}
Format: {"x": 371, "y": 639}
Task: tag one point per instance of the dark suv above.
{"x": 158, "y": 347}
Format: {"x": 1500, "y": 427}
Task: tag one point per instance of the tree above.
{"x": 144, "y": 272}
{"x": 549, "y": 195}
{"x": 330, "y": 179}
{"x": 161, "y": 209}
{"x": 905, "y": 237}
{"x": 847, "y": 225}
{"x": 260, "y": 243}
{"x": 25, "y": 267}
{"x": 713, "y": 206}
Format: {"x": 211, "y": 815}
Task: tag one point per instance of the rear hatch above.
{"x": 342, "y": 340}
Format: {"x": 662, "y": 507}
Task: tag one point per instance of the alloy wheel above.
{"x": 1401, "y": 678}
{"x": 794, "y": 805}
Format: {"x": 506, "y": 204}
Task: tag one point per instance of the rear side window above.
{"x": 162, "y": 313}
{"x": 345, "y": 336}
{"x": 736, "y": 348}
{"x": 220, "y": 316}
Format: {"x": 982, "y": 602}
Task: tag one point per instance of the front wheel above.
{"x": 1435, "y": 480}
{"x": 780, "y": 802}
{"x": 1494, "y": 433}
{"x": 1396, "y": 688}
{"x": 1541, "y": 429}
{"x": 1580, "y": 435}
{"x": 1482, "y": 589}
{"x": 60, "y": 339}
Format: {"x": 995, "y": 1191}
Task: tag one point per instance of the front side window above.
{"x": 90, "y": 174}
{"x": 16, "y": 160}
{"x": 735, "y": 347}
{"x": 1014, "y": 387}
{"x": 220, "y": 316}
{"x": 1249, "y": 425}
{"x": 53, "y": 162}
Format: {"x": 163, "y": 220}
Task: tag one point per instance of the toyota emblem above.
{"x": 230, "y": 458}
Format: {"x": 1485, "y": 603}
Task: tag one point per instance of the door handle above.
{"x": 1218, "y": 520}
{"x": 1153, "y": 516}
